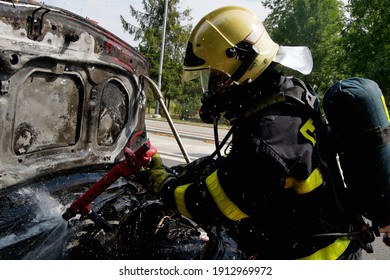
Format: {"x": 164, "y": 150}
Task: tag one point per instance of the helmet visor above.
{"x": 210, "y": 80}
{"x": 189, "y": 75}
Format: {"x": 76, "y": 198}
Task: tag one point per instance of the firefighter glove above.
{"x": 157, "y": 174}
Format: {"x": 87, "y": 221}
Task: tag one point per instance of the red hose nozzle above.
{"x": 133, "y": 162}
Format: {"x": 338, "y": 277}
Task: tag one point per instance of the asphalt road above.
{"x": 198, "y": 141}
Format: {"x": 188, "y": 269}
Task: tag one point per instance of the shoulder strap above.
{"x": 300, "y": 94}
{"x": 303, "y": 94}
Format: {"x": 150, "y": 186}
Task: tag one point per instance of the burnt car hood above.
{"x": 70, "y": 93}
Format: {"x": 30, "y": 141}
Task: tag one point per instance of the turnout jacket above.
{"x": 269, "y": 189}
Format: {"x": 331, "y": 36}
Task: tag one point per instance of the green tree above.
{"x": 149, "y": 35}
{"x": 316, "y": 24}
{"x": 189, "y": 102}
{"x": 366, "y": 40}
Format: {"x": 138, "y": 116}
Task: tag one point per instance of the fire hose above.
{"x": 159, "y": 97}
{"x": 132, "y": 163}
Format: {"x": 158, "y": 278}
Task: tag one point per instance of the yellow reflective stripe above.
{"x": 385, "y": 107}
{"x": 225, "y": 205}
{"x": 304, "y": 186}
{"x": 331, "y": 252}
{"x": 180, "y": 200}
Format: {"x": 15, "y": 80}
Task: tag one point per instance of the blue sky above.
{"x": 107, "y": 12}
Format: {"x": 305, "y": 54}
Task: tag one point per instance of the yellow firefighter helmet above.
{"x": 231, "y": 40}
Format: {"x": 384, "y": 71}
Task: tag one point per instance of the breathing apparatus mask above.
{"x": 214, "y": 98}
{"x": 210, "y": 111}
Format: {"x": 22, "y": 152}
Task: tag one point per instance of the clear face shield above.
{"x": 210, "y": 80}
{"x": 204, "y": 80}
{"x": 202, "y": 75}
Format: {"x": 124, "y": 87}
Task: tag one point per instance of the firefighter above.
{"x": 269, "y": 189}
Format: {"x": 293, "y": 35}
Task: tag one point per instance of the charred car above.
{"x": 72, "y": 107}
